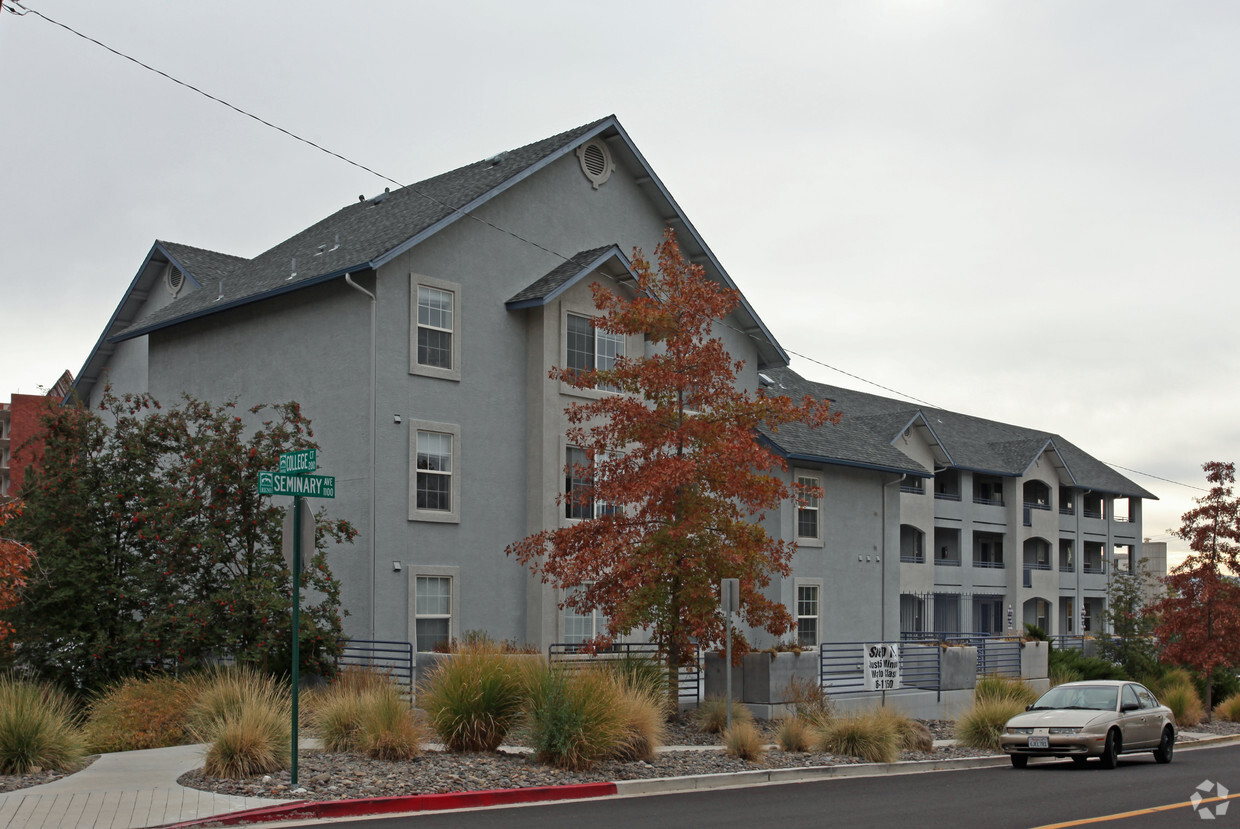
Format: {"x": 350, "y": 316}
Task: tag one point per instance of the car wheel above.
{"x": 1166, "y": 746}
{"x": 1019, "y": 760}
{"x": 1110, "y": 751}
{"x": 1080, "y": 759}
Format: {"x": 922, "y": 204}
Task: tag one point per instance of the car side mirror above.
{"x": 1029, "y": 707}
{"x": 1129, "y": 706}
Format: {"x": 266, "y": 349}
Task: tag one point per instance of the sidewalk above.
{"x": 127, "y": 790}
{"x": 138, "y": 789}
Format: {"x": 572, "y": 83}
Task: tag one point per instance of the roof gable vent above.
{"x": 174, "y": 279}
{"x": 596, "y": 162}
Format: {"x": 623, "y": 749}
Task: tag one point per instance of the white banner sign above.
{"x": 882, "y": 667}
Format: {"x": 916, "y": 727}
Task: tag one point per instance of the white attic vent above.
{"x": 596, "y": 162}
{"x": 174, "y": 280}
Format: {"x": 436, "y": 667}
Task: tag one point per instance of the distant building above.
{"x": 19, "y": 423}
{"x": 1155, "y": 555}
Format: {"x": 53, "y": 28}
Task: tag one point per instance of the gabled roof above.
{"x": 549, "y": 286}
{"x": 199, "y": 266}
{"x": 371, "y": 233}
{"x": 971, "y": 443}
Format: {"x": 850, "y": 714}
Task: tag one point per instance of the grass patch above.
{"x": 251, "y": 739}
{"x": 982, "y": 724}
{"x": 910, "y": 734}
{"x": 1229, "y": 709}
{"x": 474, "y": 698}
{"x": 793, "y": 735}
{"x": 37, "y": 728}
{"x": 643, "y": 713}
{"x": 1185, "y": 704}
{"x": 387, "y": 728}
{"x": 744, "y": 741}
{"x": 224, "y": 692}
{"x": 711, "y": 715}
{"x": 336, "y": 710}
{"x": 139, "y": 713}
{"x": 870, "y": 736}
{"x": 574, "y": 718}
{"x": 994, "y": 687}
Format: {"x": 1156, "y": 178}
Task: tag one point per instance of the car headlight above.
{"x": 1063, "y": 730}
{"x": 1010, "y": 730}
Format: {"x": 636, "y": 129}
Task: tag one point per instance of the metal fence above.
{"x": 841, "y": 666}
{"x": 690, "y": 676}
{"x": 393, "y": 658}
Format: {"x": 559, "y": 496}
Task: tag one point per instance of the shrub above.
{"x": 387, "y": 729}
{"x": 793, "y": 734}
{"x": 248, "y": 740}
{"x": 643, "y": 672}
{"x": 574, "y": 716}
{"x": 1229, "y": 709}
{"x": 1089, "y": 667}
{"x": 994, "y": 687}
{"x": 743, "y": 740}
{"x": 36, "y": 728}
{"x": 1059, "y": 674}
{"x": 224, "y": 692}
{"x": 474, "y": 698}
{"x": 982, "y": 724}
{"x": 868, "y": 736}
{"x": 643, "y": 713}
{"x": 1035, "y": 633}
{"x": 336, "y": 709}
{"x": 1184, "y": 703}
{"x": 711, "y": 715}
{"x": 151, "y": 712}
{"x": 910, "y": 734}
{"x": 809, "y": 702}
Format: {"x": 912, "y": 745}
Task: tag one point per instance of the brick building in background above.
{"x": 19, "y": 422}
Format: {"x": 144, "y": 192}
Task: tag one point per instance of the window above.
{"x": 433, "y": 601}
{"x": 435, "y": 491}
{"x": 807, "y": 615}
{"x": 581, "y": 625}
{"x": 435, "y": 342}
{"x": 809, "y": 522}
{"x": 579, "y": 477}
{"x": 590, "y": 348}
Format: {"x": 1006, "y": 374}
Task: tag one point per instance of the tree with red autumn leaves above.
{"x": 677, "y": 480}
{"x": 15, "y": 558}
{"x": 1199, "y": 621}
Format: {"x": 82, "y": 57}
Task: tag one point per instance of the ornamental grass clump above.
{"x": 711, "y": 715}
{"x": 1184, "y": 702}
{"x": 224, "y": 691}
{"x": 793, "y": 735}
{"x": 139, "y": 713}
{"x": 744, "y": 741}
{"x": 982, "y": 724}
{"x": 1229, "y": 709}
{"x": 869, "y": 736}
{"x": 387, "y": 728}
{"x": 910, "y": 734}
{"x": 253, "y": 738}
{"x": 996, "y": 687}
{"x": 574, "y": 717}
{"x": 645, "y": 673}
{"x": 474, "y": 697}
{"x": 643, "y": 714}
{"x": 809, "y": 701}
{"x": 37, "y": 728}
{"x": 336, "y": 710}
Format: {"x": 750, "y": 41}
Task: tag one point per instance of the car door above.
{"x": 1135, "y": 724}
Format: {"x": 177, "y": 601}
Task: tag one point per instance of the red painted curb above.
{"x": 304, "y": 809}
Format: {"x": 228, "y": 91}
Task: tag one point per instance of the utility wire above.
{"x": 9, "y": 5}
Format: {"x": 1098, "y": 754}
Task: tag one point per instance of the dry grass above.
{"x": 1184, "y": 702}
{"x": 252, "y": 739}
{"x": 982, "y": 724}
{"x": 744, "y": 741}
{"x": 870, "y": 736}
{"x": 387, "y": 728}
{"x": 643, "y": 711}
{"x": 994, "y": 687}
{"x": 809, "y": 702}
{"x": 910, "y": 734}
{"x": 474, "y": 698}
{"x": 1229, "y": 709}
{"x": 793, "y": 734}
{"x": 574, "y": 718}
{"x": 37, "y": 728}
{"x": 711, "y": 715}
{"x": 151, "y": 712}
{"x": 223, "y": 693}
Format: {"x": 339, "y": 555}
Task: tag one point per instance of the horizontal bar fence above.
{"x": 1069, "y": 642}
{"x": 575, "y": 655}
{"x": 391, "y": 657}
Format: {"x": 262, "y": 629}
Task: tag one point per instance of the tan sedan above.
{"x": 1094, "y": 718}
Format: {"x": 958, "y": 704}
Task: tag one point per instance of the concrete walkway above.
{"x": 126, "y": 790}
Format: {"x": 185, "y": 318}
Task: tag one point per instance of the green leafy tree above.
{"x": 678, "y": 470}
{"x": 1130, "y": 643}
{"x": 155, "y": 549}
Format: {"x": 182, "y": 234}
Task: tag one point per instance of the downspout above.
{"x": 882, "y": 564}
{"x": 374, "y": 550}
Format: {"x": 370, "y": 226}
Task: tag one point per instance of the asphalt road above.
{"x": 1047, "y": 793}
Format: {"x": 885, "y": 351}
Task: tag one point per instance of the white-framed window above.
{"x": 809, "y": 514}
{"x": 580, "y": 626}
{"x": 580, "y": 475}
{"x": 588, "y": 348}
{"x": 434, "y": 599}
{"x": 434, "y": 461}
{"x": 435, "y": 342}
{"x": 808, "y": 612}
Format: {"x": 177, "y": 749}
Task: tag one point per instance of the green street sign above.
{"x": 295, "y": 463}
{"x": 308, "y": 486}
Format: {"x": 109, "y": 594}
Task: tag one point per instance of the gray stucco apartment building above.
{"x": 417, "y": 329}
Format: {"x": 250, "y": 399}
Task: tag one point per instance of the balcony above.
{"x": 990, "y": 565}
{"x": 947, "y": 496}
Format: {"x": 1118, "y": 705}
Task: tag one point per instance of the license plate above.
{"x": 1039, "y": 742}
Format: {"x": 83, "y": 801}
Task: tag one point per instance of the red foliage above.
{"x": 1199, "y": 621}
{"x": 677, "y": 459}
{"x": 15, "y": 559}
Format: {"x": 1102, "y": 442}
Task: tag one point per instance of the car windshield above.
{"x": 1097, "y": 697}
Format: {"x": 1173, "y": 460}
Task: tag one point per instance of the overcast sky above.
{"x": 1025, "y": 211}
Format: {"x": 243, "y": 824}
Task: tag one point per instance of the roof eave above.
{"x": 613, "y": 252}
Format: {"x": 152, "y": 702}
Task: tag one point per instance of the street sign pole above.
{"x": 298, "y": 506}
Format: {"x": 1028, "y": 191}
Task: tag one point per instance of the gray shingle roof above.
{"x": 203, "y": 266}
{"x": 358, "y": 236}
{"x": 974, "y": 443}
{"x": 562, "y": 275}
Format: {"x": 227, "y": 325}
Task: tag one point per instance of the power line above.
{"x": 9, "y": 4}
